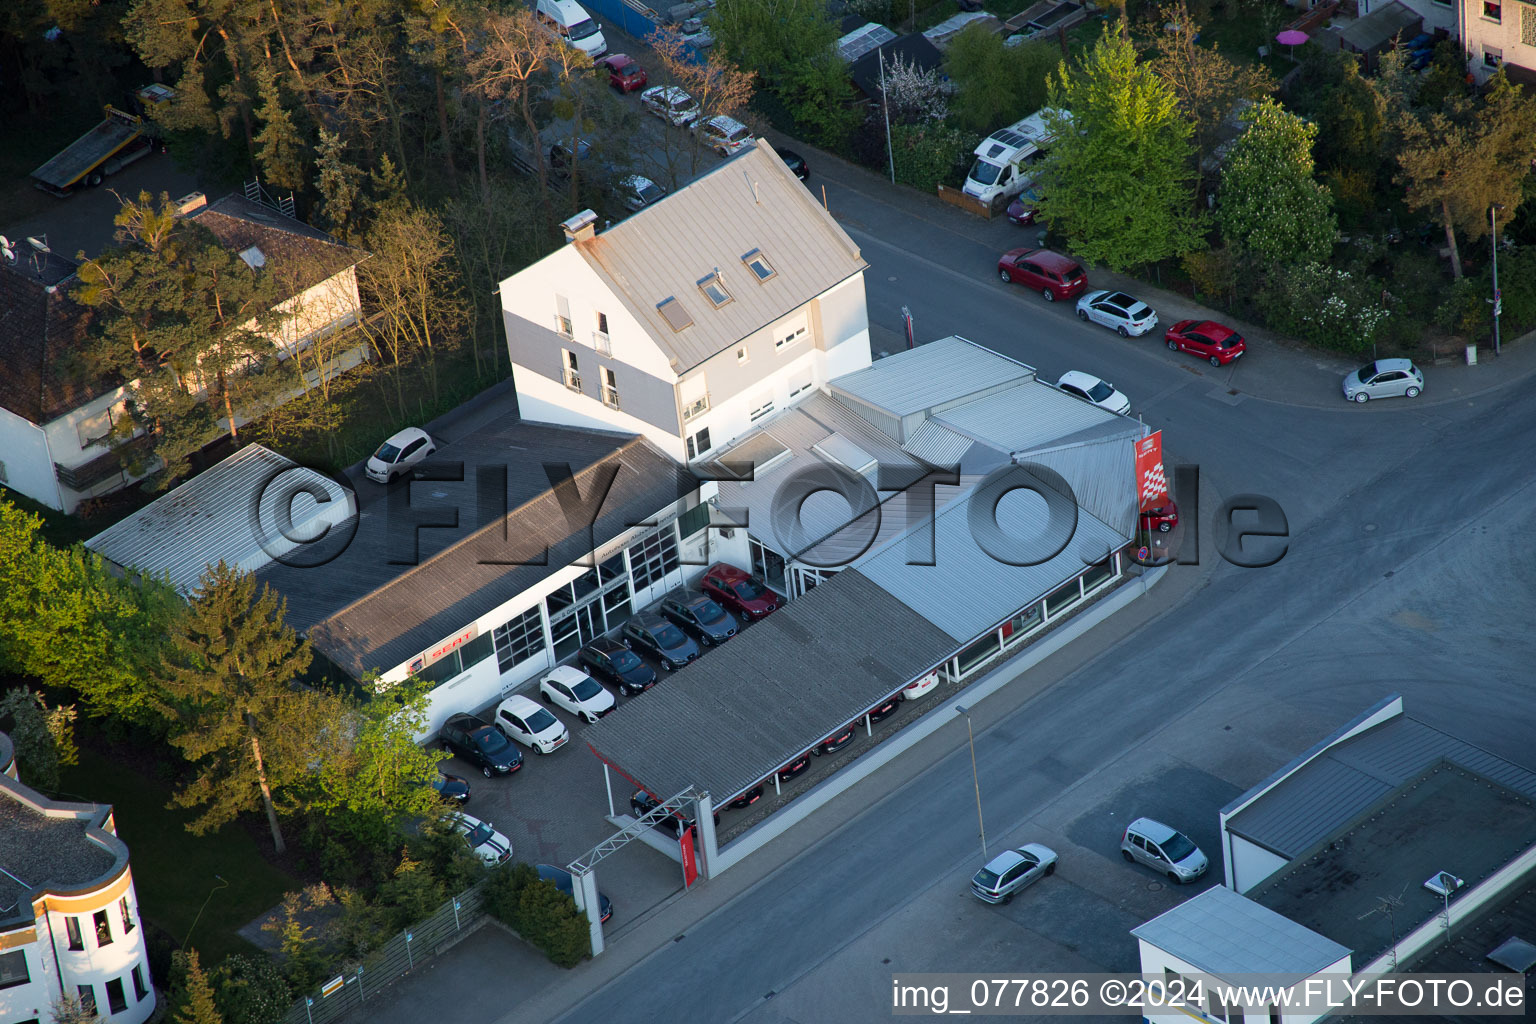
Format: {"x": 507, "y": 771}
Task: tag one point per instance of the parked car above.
{"x": 607, "y": 658}
{"x": 560, "y": 154}
{"x": 739, "y": 591}
{"x": 397, "y": 455}
{"x": 642, "y": 803}
{"x": 1090, "y": 389}
{"x": 484, "y": 841}
{"x": 624, "y": 72}
{"x": 699, "y": 615}
{"x": 1162, "y": 519}
{"x": 660, "y": 639}
{"x": 1051, "y": 274}
{"x": 570, "y": 689}
{"x": 795, "y": 162}
{"x": 1024, "y": 207}
{"x": 565, "y": 883}
{"x": 748, "y": 798}
{"x": 636, "y": 192}
{"x": 569, "y": 22}
{"x": 725, "y": 135}
{"x": 481, "y": 744}
{"x": 671, "y": 104}
{"x": 886, "y": 710}
{"x": 531, "y": 725}
{"x": 1129, "y": 317}
{"x": 1013, "y": 870}
{"x": 1164, "y": 849}
{"x": 796, "y": 768}
{"x": 1207, "y": 339}
{"x": 837, "y": 741}
{"x": 1385, "y": 378}
{"x": 920, "y": 687}
{"x": 451, "y": 787}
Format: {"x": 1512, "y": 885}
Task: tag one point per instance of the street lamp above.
{"x": 1498, "y": 300}
{"x": 975, "y": 778}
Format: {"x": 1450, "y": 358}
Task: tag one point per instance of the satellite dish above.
{"x": 5, "y": 249}
{"x": 39, "y": 245}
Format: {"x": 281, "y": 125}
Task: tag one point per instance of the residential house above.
{"x": 1499, "y": 33}
{"x": 696, "y": 317}
{"x": 54, "y": 423}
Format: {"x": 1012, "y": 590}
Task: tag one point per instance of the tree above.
{"x": 230, "y": 672}
{"x": 718, "y": 86}
{"x": 1209, "y": 86}
{"x": 279, "y": 147}
{"x": 1117, "y": 180}
{"x": 512, "y": 53}
{"x": 1350, "y": 115}
{"x": 44, "y": 736}
{"x": 199, "y": 1006}
{"x": 1270, "y": 204}
{"x": 996, "y": 84}
{"x": 791, "y": 47}
{"x": 1461, "y": 161}
{"x": 250, "y": 989}
{"x": 70, "y": 1010}
{"x": 914, "y": 94}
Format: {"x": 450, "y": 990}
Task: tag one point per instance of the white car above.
{"x": 489, "y": 845}
{"x": 531, "y": 725}
{"x": 1385, "y": 378}
{"x": 637, "y": 192}
{"x": 573, "y": 690}
{"x": 725, "y": 135}
{"x": 1129, "y": 317}
{"x": 920, "y": 688}
{"x": 398, "y": 454}
{"x": 671, "y": 103}
{"x": 1090, "y": 389}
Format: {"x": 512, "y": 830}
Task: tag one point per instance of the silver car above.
{"x": 1385, "y": 378}
{"x": 1163, "y": 849}
{"x": 1013, "y": 870}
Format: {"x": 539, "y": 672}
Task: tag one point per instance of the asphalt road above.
{"x": 1405, "y": 574}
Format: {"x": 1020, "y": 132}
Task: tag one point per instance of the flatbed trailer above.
{"x": 117, "y": 141}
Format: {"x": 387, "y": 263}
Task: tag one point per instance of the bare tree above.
{"x": 717, "y": 85}
{"x": 513, "y": 51}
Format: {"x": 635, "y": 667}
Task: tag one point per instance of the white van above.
{"x": 1005, "y": 159}
{"x": 568, "y": 20}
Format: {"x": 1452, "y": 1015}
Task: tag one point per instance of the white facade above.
{"x": 1495, "y": 32}
{"x": 1160, "y": 963}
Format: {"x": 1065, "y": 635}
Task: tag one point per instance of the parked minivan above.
{"x": 1163, "y": 849}
{"x": 569, "y": 21}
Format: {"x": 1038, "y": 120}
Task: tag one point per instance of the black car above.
{"x": 481, "y": 744}
{"x": 837, "y": 741}
{"x": 564, "y": 882}
{"x": 700, "y": 615}
{"x": 642, "y": 803}
{"x": 560, "y": 154}
{"x": 886, "y": 710}
{"x": 451, "y": 787}
{"x": 796, "y": 163}
{"x": 795, "y": 768}
{"x": 748, "y": 798}
{"x": 609, "y": 659}
{"x": 660, "y": 639}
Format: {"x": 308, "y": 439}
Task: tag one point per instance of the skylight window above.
{"x": 254, "y": 258}
{"x": 676, "y": 316}
{"x": 759, "y": 265}
{"x": 714, "y": 289}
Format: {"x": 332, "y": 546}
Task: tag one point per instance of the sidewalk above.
{"x": 1275, "y": 369}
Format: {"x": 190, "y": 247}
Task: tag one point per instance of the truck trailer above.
{"x": 119, "y": 140}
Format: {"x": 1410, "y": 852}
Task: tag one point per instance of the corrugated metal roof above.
{"x": 935, "y": 443}
{"x": 752, "y": 202}
{"x": 1102, "y": 475}
{"x": 967, "y": 591}
{"x": 1032, "y": 415}
{"x": 216, "y": 516}
{"x": 1338, "y": 784}
{"x": 706, "y": 724}
{"x": 931, "y": 375}
{"x": 1223, "y": 933}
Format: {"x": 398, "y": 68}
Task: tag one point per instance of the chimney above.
{"x": 580, "y": 228}
{"x": 190, "y": 203}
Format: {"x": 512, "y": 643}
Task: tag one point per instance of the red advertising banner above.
{"x": 1150, "y": 478}
{"x": 690, "y": 858}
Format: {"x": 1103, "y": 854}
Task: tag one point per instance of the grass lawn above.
{"x": 173, "y": 870}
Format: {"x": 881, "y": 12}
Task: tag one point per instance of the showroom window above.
{"x": 520, "y": 639}
{"x": 653, "y": 558}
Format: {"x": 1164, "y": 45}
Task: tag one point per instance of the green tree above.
{"x": 230, "y": 671}
{"x": 250, "y": 989}
{"x": 927, "y": 155}
{"x": 791, "y": 46}
{"x": 996, "y": 84}
{"x": 1460, "y": 162}
{"x": 412, "y": 895}
{"x": 198, "y": 1006}
{"x": 1349, "y": 113}
{"x": 44, "y": 736}
{"x": 279, "y": 146}
{"x": 1270, "y": 204}
{"x": 1117, "y": 180}
{"x": 299, "y": 941}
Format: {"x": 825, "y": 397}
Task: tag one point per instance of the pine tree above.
{"x": 279, "y": 146}
{"x": 230, "y": 672}
{"x": 199, "y": 1007}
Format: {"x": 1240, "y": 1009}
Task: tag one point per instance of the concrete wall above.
{"x": 1248, "y": 864}
{"x": 94, "y": 965}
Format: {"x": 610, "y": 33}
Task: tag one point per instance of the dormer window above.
{"x": 759, "y": 265}
{"x": 714, "y": 289}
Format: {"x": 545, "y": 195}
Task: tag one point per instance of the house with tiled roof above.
{"x": 55, "y": 422}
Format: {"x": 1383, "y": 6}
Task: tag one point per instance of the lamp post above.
{"x": 975, "y": 778}
{"x": 1498, "y": 300}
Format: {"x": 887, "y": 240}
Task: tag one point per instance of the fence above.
{"x": 970, "y": 204}
{"x": 634, "y": 18}
{"x": 399, "y": 956}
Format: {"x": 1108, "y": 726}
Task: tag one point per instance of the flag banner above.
{"x": 1150, "y": 478}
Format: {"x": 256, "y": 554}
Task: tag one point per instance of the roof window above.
{"x": 759, "y": 265}
{"x": 714, "y": 289}
{"x": 673, "y": 312}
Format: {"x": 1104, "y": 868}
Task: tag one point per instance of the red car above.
{"x": 739, "y": 591}
{"x": 624, "y": 72}
{"x": 795, "y": 768}
{"x": 837, "y": 741}
{"x": 1051, "y": 274}
{"x": 1161, "y": 519}
{"x": 1206, "y": 339}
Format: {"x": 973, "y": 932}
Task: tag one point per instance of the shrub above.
{"x": 927, "y": 155}
{"x": 250, "y": 989}
{"x": 1330, "y": 308}
{"x": 543, "y": 915}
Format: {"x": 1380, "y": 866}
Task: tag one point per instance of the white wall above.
{"x": 1248, "y": 864}
{"x": 844, "y": 327}
{"x": 96, "y": 965}
{"x": 1155, "y": 961}
{"x": 28, "y": 467}
{"x": 541, "y": 400}
{"x": 1504, "y": 34}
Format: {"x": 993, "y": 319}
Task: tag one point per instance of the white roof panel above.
{"x": 1223, "y": 933}
{"x": 930, "y": 376}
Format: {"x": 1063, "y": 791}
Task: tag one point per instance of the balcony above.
{"x": 696, "y": 408}
{"x": 610, "y": 397}
{"x": 601, "y": 344}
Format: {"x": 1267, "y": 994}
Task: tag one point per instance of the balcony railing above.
{"x": 610, "y": 397}
{"x": 600, "y": 342}
{"x": 696, "y": 408}
{"x": 572, "y": 379}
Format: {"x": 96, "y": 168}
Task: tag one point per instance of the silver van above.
{"x": 1163, "y": 849}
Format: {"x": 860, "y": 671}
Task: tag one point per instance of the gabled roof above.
{"x": 301, "y": 256}
{"x": 752, "y": 202}
{"x": 915, "y": 49}
{"x": 1222, "y": 933}
{"x": 40, "y": 327}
